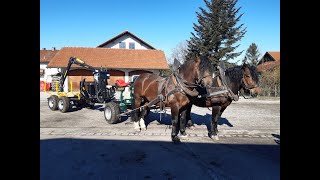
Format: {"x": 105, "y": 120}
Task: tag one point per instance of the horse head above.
{"x": 197, "y": 72}
{"x": 250, "y": 80}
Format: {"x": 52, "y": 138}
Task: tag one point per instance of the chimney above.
{"x": 53, "y": 48}
{"x": 43, "y": 48}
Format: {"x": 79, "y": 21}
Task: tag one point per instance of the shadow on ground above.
{"x": 97, "y": 107}
{"x": 196, "y": 119}
{"x": 135, "y": 160}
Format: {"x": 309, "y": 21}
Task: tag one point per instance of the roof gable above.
{"x": 112, "y": 58}
{"x": 47, "y": 55}
{"x": 274, "y": 55}
{"x": 123, "y": 34}
{"x": 270, "y": 56}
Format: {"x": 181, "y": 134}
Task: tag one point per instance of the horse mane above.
{"x": 234, "y": 74}
{"x": 205, "y": 64}
{"x": 254, "y": 73}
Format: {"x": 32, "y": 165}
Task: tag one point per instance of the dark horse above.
{"x": 242, "y": 79}
{"x": 173, "y": 91}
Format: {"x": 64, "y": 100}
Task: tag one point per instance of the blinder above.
{"x": 246, "y": 86}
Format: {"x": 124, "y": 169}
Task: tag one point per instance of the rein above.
{"x": 246, "y": 86}
{"x": 198, "y": 82}
{"x": 184, "y": 85}
{"x": 224, "y": 83}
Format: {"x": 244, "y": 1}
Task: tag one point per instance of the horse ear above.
{"x": 176, "y": 64}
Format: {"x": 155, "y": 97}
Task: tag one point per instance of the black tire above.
{"x": 53, "y": 102}
{"x": 64, "y": 104}
{"x": 100, "y": 96}
{"x": 111, "y": 111}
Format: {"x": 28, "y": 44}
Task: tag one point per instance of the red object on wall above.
{"x": 41, "y": 85}
{"x": 121, "y": 83}
{"x": 48, "y": 86}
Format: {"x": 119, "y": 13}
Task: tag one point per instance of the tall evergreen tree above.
{"x": 252, "y": 55}
{"x": 217, "y": 31}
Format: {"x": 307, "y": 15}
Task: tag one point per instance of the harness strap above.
{"x": 223, "y": 80}
{"x": 184, "y": 88}
{"x": 219, "y": 81}
{"x": 246, "y": 86}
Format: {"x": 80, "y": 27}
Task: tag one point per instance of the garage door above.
{"x": 77, "y": 75}
{"x": 115, "y": 75}
{"x": 138, "y": 72}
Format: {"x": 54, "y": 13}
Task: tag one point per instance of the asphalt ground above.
{"x": 82, "y": 145}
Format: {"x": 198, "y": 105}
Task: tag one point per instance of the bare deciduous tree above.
{"x": 179, "y": 52}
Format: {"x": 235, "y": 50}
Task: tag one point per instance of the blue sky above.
{"x": 162, "y": 23}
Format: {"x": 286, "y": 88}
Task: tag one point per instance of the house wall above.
{"x": 126, "y": 38}
{"x": 47, "y": 72}
{"x": 77, "y": 75}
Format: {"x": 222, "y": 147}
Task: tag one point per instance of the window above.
{"x": 41, "y": 73}
{"x": 131, "y": 45}
{"x": 122, "y": 45}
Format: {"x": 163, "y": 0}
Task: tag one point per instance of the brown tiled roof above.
{"x": 111, "y": 58}
{"x": 47, "y": 55}
{"x": 275, "y": 55}
{"x": 123, "y": 33}
{"x": 267, "y": 65}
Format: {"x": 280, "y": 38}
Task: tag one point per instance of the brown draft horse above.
{"x": 174, "y": 91}
{"x": 239, "y": 79}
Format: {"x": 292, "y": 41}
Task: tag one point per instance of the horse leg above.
{"x": 219, "y": 115}
{"x": 136, "y": 114}
{"x": 212, "y": 133}
{"x": 175, "y": 124}
{"x": 142, "y": 115}
{"x": 190, "y": 124}
{"x": 182, "y": 126}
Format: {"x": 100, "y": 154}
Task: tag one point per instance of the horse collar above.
{"x": 184, "y": 85}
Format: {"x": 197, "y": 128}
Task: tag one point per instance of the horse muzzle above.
{"x": 255, "y": 91}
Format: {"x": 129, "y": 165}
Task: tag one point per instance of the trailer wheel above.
{"x": 63, "y": 104}
{"x": 111, "y": 111}
{"x": 53, "y": 102}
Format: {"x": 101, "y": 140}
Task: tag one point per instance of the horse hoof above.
{"x": 143, "y": 128}
{"x": 137, "y": 129}
{"x": 215, "y": 137}
{"x": 175, "y": 139}
{"x": 183, "y": 135}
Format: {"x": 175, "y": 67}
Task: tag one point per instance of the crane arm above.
{"x": 74, "y": 60}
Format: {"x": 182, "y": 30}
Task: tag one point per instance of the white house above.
{"x": 124, "y": 55}
{"x": 45, "y": 57}
{"x": 126, "y": 40}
